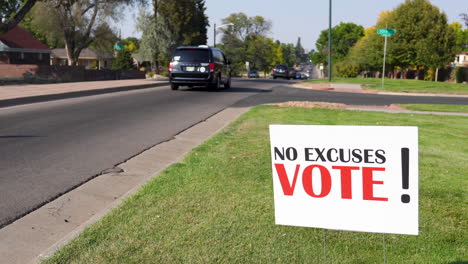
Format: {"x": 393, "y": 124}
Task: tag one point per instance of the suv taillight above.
{"x": 171, "y": 67}
{"x": 274, "y": 70}
{"x": 212, "y": 67}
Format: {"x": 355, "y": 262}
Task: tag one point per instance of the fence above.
{"x": 55, "y": 73}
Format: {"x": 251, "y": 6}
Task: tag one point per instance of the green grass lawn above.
{"x": 436, "y": 108}
{"x": 216, "y": 205}
{"x": 405, "y": 86}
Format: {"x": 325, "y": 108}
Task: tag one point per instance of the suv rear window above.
{"x": 191, "y": 55}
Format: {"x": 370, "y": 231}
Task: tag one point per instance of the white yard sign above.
{"x": 356, "y": 178}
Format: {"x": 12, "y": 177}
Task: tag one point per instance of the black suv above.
{"x": 199, "y": 66}
{"x": 281, "y": 71}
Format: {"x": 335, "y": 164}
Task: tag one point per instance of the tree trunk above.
{"x": 437, "y": 74}
{"x": 72, "y": 59}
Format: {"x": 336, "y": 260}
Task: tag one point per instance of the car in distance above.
{"x": 281, "y": 71}
{"x": 199, "y": 66}
{"x": 253, "y": 74}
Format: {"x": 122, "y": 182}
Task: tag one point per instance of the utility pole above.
{"x": 214, "y": 37}
{"x": 330, "y": 41}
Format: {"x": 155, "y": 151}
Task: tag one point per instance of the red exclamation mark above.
{"x": 405, "y": 198}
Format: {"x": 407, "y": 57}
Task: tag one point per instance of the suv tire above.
{"x": 174, "y": 86}
{"x": 217, "y": 84}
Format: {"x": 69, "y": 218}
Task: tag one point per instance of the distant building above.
{"x": 461, "y": 60}
{"x": 89, "y": 58}
{"x": 18, "y": 46}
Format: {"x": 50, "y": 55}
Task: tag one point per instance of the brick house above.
{"x": 18, "y": 46}
{"x": 89, "y": 58}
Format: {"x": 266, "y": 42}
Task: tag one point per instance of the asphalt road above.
{"x": 47, "y": 149}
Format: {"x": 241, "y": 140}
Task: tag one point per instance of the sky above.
{"x": 302, "y": 18}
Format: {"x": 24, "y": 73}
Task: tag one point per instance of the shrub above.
{"x": 347, "y": 69}
{"x": 149, "y": 74}
{"x": 123, "y": 61}
{"x": 461, "y": 74}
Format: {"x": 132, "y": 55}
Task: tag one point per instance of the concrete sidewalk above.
{"x": 11, "y": 95}
{"x": 357, "y": 88}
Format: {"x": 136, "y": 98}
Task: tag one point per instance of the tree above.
{"x": 80, "y": 22}
{"x": 157, "y": 40}
{"x": 423, "y": 37}
{"x": 344, "y": 36}
{"x": 461, "y": 42}
{"x": 131, "y": 44}
{"x": 244, "y": 26}
{"x": 12, "y": 12}
{"x": 300, "y": 52}
{"x": 465, "y": 18}
{"x": 186, "y": 19}
{"x": 123, "y": 61}
{"x": 104, "y": 39}
{"x": 43, "y": 27}
{"x": 289, "y": 53}
{"x": 244, "y": 38}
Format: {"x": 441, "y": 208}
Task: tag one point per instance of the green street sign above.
{"x": 386, "y": 32}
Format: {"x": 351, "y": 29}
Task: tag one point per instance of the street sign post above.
{"x": 385, "y": 32}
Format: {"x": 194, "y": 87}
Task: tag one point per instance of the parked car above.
{"x": 199, "y": 66}
{"x": 253, "y": 74}
{"x": 281, "y": 71}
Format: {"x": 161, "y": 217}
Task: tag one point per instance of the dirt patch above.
{"x": 314, "y": 86}
{"x": 308, "y": 104}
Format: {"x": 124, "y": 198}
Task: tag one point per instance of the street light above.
{"x": 223, "y": 25}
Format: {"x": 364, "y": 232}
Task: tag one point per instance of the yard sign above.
{"x": 356, "y": 178}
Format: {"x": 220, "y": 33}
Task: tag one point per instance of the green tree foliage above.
{"x": 244, "y": 26}
{"x": 131, "y": 44}
{"x": 157, "y": 40}
{"x": 289, "y": 53}
{"x": 186, "y": 19}
{"x": 461, "y": 42}
{"x": 123, "y": 61}
{"x": 172, "y": 23}
{"x": 259, "y": 52}
{"x": 245, "y": 40}
{"x": 43, "y": 27}
{"x": 423, "y": 36}
{"x": 301, "y": 56}
{"x": 104, "y": 38}
{"x": 344, "y": 36}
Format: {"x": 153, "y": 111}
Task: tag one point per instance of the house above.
{"x": 461, "y": 60}
{"x": 18, "y": 46}
{"x": 139, "y": 62}
{"x": 89, "y": 58}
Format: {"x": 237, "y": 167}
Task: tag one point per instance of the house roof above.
{"x": 18, "y": 38}
{"x": 85, "y": 54}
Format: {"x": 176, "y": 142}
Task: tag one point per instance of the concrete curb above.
{"x": 67, "y": 95}
{"x": 42, "y": 232}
